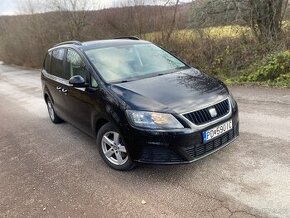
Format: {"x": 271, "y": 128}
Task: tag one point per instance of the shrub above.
{"x": 281, "y": 81}
{"x": 273, "y": 70}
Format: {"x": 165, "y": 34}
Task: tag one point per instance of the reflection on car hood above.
{"x": 180, "y": 92}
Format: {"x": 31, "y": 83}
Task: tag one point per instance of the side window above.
{"x": 94, "y": 83}
{"x": 75, "y": 66}
{"x": 46, "y": 64}
{"x": 57, "y": 58}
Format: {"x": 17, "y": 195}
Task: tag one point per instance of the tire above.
{"x": 52, "y": 115}
{"x": 112, "y": 148}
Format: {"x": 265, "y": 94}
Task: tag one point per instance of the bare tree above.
{"x": 172, "y": 25}
{"x": 30, "y": 6}
{"x": 74, "y": 13}
{"x": 139, "y": 17}
{"x": 265, "y": 17}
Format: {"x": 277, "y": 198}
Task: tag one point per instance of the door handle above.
{"x": 58, "y": 88}
{"x": 64, "y": 91}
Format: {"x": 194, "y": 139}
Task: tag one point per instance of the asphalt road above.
{"x": 55, "y": 170}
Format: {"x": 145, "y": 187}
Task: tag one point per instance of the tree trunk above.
{"x": 266, "y": 18}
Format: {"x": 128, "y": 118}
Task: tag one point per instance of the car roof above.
{"x": 111, "y": 43}
{"x": 99, "y": 43}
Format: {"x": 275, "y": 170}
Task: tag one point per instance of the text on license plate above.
{"x": 216, "y": 131}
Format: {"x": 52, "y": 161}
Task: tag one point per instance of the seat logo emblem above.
{"x": 213, "y": 112}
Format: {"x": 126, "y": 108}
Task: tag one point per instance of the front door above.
{"x": 81, "y": 103}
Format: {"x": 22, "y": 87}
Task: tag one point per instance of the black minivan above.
{"x": 141, "y": 103}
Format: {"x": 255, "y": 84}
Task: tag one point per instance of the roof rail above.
{"x": 69, "y": 42}
{"x": 128, "y": 37}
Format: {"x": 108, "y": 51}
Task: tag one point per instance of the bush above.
{"x": 282, "y": 81}
{"x": 220, "y": 55}
{"x": 274, "y": 70}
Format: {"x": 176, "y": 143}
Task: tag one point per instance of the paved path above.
{"x": 54, "y": 170}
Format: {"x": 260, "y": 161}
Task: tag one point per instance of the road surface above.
{"x": 49, "y": 170}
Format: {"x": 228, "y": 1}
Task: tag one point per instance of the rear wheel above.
{"x": 53, "y": 116}
{"x": 112, "y": 148}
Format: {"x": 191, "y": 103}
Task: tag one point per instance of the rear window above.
{"x": 57, "y": 62}
{"x": 46, "y": 64}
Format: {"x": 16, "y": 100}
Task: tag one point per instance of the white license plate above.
{"x": 216, "y": 131}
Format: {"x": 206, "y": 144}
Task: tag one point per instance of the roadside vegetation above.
{"x": 240, "y": 42}
{"x": 273, "y": 70}
{"x": 232, "y": 54}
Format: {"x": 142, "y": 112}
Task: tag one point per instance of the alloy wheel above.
{"x": 50, "y": 110}
{"x": 113, "y": 148}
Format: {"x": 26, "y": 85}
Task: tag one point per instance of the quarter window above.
{"x": 57, "y": 67}
{"x": 94, "y": 83}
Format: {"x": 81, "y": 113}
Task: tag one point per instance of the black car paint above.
{"x": 176, "y": 93}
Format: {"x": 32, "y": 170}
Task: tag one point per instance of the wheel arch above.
{"x": 45, "y": 97}
{"x": 98, "y": 125}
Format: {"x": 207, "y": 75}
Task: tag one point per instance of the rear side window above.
{"x": 57, "y": 62}
{"x": 46, "y": 64}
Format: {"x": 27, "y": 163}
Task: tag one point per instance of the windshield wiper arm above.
{"x": 125, "y": 81}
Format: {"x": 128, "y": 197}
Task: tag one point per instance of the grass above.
{"x": 233, "y": 31}
{"x": 227, "y": 31}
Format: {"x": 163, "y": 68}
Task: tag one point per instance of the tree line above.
{"x": 25, "y": 38}
{"x": 180, "y": 28}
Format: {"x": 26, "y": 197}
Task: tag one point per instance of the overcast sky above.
{"x": 14, "y": 7}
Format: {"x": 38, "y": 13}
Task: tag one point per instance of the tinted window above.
{"x": 57, "y": 58}
{"x": 46, "y": 64}
{"x": 75, "y": 66}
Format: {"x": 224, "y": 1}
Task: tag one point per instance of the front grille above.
{"x": 159, "y": 154}
{"x": 203, "y": 116}
{"x": 203, "y": 149}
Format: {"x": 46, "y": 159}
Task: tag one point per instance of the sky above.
{"x": 6, "y": 7}
{"x": 14, "y": 7}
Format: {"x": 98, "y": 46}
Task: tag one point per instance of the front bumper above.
{"x": 177, "y": 147}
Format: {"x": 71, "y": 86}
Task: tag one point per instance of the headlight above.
{"x": 232, "y": 100}
{"x": 153, "y": 120}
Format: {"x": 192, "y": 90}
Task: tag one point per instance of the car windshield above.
{"x": 131, "y": 62}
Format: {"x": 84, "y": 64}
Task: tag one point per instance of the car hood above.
{"x": 178, "y": 92}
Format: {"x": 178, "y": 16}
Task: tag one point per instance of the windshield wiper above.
{"x": 125, "y": 81}
{"x": 170, "y": 71}
{"x": 180, "y": 68}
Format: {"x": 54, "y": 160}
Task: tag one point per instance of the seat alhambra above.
{"x": 140, "y": 102}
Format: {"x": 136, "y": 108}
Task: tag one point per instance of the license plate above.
{"x": 216, "y": 131}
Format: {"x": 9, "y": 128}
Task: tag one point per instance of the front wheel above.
{"x": 112, "y": 148}
{"x": 53, "y": 116}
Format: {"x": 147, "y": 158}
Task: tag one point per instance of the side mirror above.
{"x": 78, "y": 81}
